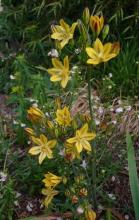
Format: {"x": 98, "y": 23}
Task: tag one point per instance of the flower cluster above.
{"x": 60, "y": 135}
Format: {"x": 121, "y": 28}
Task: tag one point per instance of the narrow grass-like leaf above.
{"x": 133, "y": 177}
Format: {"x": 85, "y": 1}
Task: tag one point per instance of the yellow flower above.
{"x": 81, "y": 139}
{"x": 96, "y": 24}
{"x": 35, "y": 114}
{"x": 30, "y": 131}
{"x": 43, "y": 147}
{"x": 63, "y": 116}
{"x": 63, "y": 32}
{"x": 101, "y": 53}
{"x": 49, "y": 193}
{"x": 90, "y": 215}
{"x": 51, "y": 180}
{"x": 60, "y": 71}
{"x": 83, "y": 192}
{"x": 71, "y": 152}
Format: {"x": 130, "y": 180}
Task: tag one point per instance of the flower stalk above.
{"x": 93, "y": 156}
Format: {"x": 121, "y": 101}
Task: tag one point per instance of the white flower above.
{"x": 53, "y": 53}
{"x": 15, "y": 122}
{"x": 111, "y": 109}
{"x": 35, "y": 105}
{"x": 80, "y": 210}
{"x": 109, "y": 87}
{"x": 126, "y": 217}
{"x": 3, "y": 177}
{"x": 111, "y": 196}
{"x": 29, "y": 142}
{"x": 114, "y": 122}
{"x": 128, "y": 108}
{"x": 119, "y": 110}
{"x": 113, "y": 178}
{"x": 47, "y": 114}
{"x": 110, "y": 75}
{"x": 78, "y": 50}
{"x": 22, "y": 125}
{"x": 83, "y": 164}
{"x": 12, "y": 77}
{"x": 18, "y": 194}
{"x": 16, "y": 203}
{"x": 103, "y": 171}
{"x": 62, "y": 152}
{"x": 97, "y": 121}
{"x": 29, "y": 207}
{"x": 100, "y": 110}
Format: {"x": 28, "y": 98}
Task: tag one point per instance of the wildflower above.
{"x": 119, "y": 110}
{"x": 84, "y": 164}
{"x": 12, "y": 77}
{"x": 30, "y": 131}
{"x": 43, "y": 147}
{"x": 63, "y": 116}
{"x": 63, "y": 32}
{"x": 51, "y": 180}
{"x": 110, "y": 75}
{"x": 15, "y": 122}
{"x": 110, "y": 87}
{"x": 111, "y": 196}
{"x": 74, "y": 199}
{"x": 83, "y": 192}
{"x": 49, "y": 193}
{"x": 80, "y": 210}
{"x": 81, "y": 139}
{"x": 22, "y": 125}
{"x": 79, "y": 178}
{"x": 3, "y": 177}
{"x": 86, "y": 15}
{"x": 29, "y": 207}
{"x": 90, "y": 214}
{"x": 97, "y": 122}
{"x": 60, "y": 71}
{"x": 96, "y": 24}
{"x": 53, "y": 53}
{"x": 71, "y": 151}
{"x": 101, "y": 53}
{"x": 35, "y": 114}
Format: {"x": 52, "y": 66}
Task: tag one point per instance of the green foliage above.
{"x": 7, "y": 200}
{"x": 133, "y": 177}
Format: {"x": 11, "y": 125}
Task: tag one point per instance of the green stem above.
{"x": 93, "y": 158}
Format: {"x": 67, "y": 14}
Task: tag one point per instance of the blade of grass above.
{"x": 133, "y": 177}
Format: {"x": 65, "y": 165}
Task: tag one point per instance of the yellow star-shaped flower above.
{"x": 102, "y": 53}
{"x": 63, "y": 32}
{"x": 60, "y": 71}
{"x": 51, "y": 180}
{"x": 63, "y": 116}
{"x": 82, "y": 138}
{"x": 49, "y": 193}
{"x": 43, "y": 147}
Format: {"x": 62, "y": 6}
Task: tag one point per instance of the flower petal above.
{"x": 79, "y": 147}
{"x": 98, "y": 46}
{"x": 51, "y": 143}
{"x": 34, "y": 150}
{"x": 42, "y": 157}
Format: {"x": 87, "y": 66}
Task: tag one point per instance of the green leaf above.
{"x": 133, "y": 177}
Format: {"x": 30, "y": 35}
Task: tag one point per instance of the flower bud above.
{"x": 90, "y": 215}
{"x": 96, "y": 24}
{"x": 86, "y": 16}
{"x": 74, "y": 199}
{"x": 105, "y": 31}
